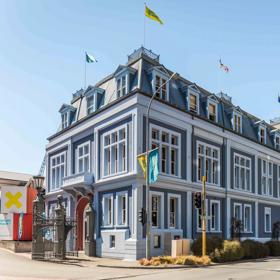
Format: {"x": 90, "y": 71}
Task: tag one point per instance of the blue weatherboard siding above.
{"x": 234, "y": 151}
{"x": 243, "y": 202}
{"x": 100, "y": 214}
{"x": 127, "y": 120}
{"x": 183, "y": 206}
{"x": 275, "y": 217}
{"x": 183, "y": 142}
{"x": 206, "y": 141}
{"x": 195, "y": 233}
{"x": 75, "y": 150}
{"x": 50, "y": 155}
{"x": 275, "y": 181}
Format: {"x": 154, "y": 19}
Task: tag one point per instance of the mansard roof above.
{"x": 141, "y": 64}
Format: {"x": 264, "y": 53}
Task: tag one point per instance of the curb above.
{"x": 151, "y": 267}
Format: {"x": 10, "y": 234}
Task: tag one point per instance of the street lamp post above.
{"x": 148, "y": 224}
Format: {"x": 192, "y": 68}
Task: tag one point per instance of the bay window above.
{"x": 262, "y": 135}
{"x": 242, "y": 172}
{"x": 115, "y": 151}
{"x": 122, "y": 86}
{"x": 237, "y": 211}
{"x": 212, "y": 111}
{"x": 58, "y": 170}
{"x": 199, "y": 217}
{"x": 267, "y": 177}
{"x": 83, "y": 158}
{"x": 64, "y": 120}
{"x": 193, "y": 103}
{"x": 90, "y": 104}
{"x": 168, "y": 143}
{"x": 156, "y": 202}
{"x": 208, "y": 163}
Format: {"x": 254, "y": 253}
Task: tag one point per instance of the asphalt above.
{"x": 21, "y": 267}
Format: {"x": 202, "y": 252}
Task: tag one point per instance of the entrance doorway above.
{"x": 81, "y": 223}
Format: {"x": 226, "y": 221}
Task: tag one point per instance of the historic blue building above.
{"x": 198, "y": 133}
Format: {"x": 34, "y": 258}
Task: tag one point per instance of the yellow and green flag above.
{"x": 142, "y": 159}
{"x": 152, "y": 15}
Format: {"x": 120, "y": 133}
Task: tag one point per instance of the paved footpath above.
{"x": 21, "y": 267}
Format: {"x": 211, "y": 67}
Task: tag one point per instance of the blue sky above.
{"x": 42, "y": 45}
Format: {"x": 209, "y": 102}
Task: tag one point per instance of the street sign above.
{"x": 13, "y": 199}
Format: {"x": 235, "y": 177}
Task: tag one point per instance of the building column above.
{"x": 256, "y": 219}
{"x": 228, "y": 218}
{"x": 189, "y": 156}
{"x": 189, "y": 215}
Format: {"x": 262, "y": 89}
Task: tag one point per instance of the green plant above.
{"x": 212, "y": 243}
{"x": 254, "y": 250}
{"x": 236, "y": 228}
{"x": 231, "y": 251}
{"x": 274, "y": 247}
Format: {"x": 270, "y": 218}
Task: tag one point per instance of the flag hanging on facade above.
{"x": 278, "y": 98}
{"x": 224, "y": 67}
{"x": 152, "y": 15}
{"x": 90, "y": 58}
{"x": 142, "y": 159}
{"x": 153, "y": 165}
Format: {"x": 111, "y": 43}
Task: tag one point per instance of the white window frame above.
{"x": 278, "y": 180}
{"x": 109, "y": 133}
{"x": 261, "y": 127}
{"x": 267, "y": 211}
{"x": 178, "y": 210}
{"x": 65, "y": 119}
{"x": 160, "y": 210}
{"x": 199, "y": 229}
{"x": 92, "y": 108}
{"x": 159, "y": 143}
{"x": 191, "y": 92}
{"x": 57, "y": 184}
{"x": 241, "y": 210}
{"x": 119, "y": 196}
{"x": 204, "y": 162}
{"x": 234, "y": 125}
{"x": 266, "y": 176}
{"x": 277, "y": 145}
{"x": 218, "y": 202}
{"x": 245, "y": 170}
{"x": 125, "y": 85}
{"x": 161, "y": 76}
{"x": 245, "y": 230}
{"x": 87, "y": 143}
{"x": 108, "y": 196}
{"x": 215, "y": 104}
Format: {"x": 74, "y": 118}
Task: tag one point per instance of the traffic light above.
{"x": 197, "y": 200}
{"x": 142, "y": 218}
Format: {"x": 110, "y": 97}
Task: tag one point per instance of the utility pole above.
{"x": 203, "y": 208}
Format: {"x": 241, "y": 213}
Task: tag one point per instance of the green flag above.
{"x": 90, "y": 58}
{"x": 152, "y": 15}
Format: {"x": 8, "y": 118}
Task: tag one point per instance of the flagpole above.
{"x": 85, "y": 72}
{"x": 144, "y": 25}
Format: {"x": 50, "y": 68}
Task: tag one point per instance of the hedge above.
{"x": 213, "y": 242}
{"x": 274, "y": 247}
{"x": 254, "y": 249}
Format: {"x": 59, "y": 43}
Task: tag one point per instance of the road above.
{"x": 17, "y": 267}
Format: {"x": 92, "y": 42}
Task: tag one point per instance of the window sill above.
{"x": 215, "y": 231}
{"x": 247, "y": 232}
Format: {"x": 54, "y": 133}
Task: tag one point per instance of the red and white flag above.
{"x": 224, "y": 67}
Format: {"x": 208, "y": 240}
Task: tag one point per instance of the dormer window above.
{"x": 64, "y": 120}
{"x": 277, "y": 142}
{"x": 262, "y": 135}
{"x": 90, "y": 104}
{"x": 193, "y": 103}
{"x": 121, "y": 86}
{"x": 161, "y": 87}
{"x": 212, "y": 112}
{"x": 237, "y": 122}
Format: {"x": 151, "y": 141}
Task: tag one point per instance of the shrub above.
{"x": 274, "y": 248}
{"x": 212, "y": 243}
{"x": 254, "y": 250}
{"x": 232, "y": 251}
{"x": 183, "y": 260}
